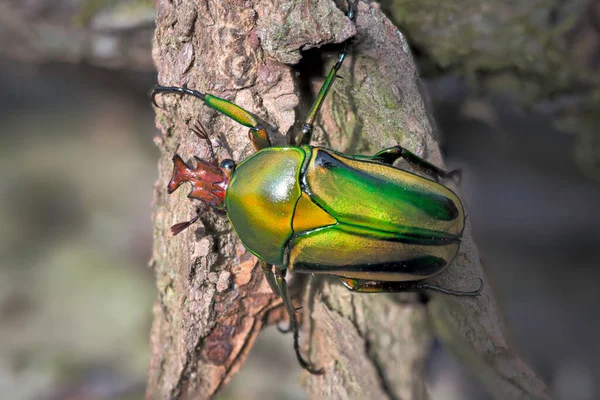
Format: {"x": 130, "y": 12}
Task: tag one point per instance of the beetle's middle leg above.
{"x": 307, "y": 128}
{"x": 282, "y": 284}
{"x": 257, "y": 133}
{"x": 390, "y": 155}
{"x": 365, "y": 286}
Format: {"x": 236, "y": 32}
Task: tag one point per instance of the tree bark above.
{"x": 546, "y": 53}
{"x": 212, "y": 298}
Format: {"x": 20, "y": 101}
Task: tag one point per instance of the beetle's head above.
{"x": 209, "y": 183}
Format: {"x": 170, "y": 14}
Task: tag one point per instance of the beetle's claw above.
{"x": 314, "y": 371}
{"x": 303, "y": 363}
{"x": 307, "y": 366}
{"x": 153, "y": 95}
{"x": 478, "y": 291}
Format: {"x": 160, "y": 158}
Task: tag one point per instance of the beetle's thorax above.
{"x": 261, "y": 199}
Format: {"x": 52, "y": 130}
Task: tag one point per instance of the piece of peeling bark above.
{"x": 212, "y": 299}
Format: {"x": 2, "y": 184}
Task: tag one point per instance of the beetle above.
{"x": 311, "y": 209}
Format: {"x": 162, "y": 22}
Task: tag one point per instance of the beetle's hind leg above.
{"x": 307, "y": 128}
{"x": 282, "y": 284}
{"x": 272, "y": 281}
{"x": 392, "y": 154}
{"x": 364, "y": 286}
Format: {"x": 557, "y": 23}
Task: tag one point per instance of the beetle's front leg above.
{"x": 282, "y": 284}
{"x": 257, "y": 134}
{"x": 364, "y": 286}
{"x": 306, "y": 134}
{"x": 390, "y": 155}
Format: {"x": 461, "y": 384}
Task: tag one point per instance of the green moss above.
{"x": 88, "y": 9}
{"x": 91, "y": 8}
{"x": 338, "y": 366}
{"x": 495, "y": 37}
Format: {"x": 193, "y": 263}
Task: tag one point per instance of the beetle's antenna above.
{"x": 201, "y": 132}
{"x": 182, "y": 226}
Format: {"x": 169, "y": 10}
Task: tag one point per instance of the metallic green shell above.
{"x": 367, "y": 220}
{"x": 392, "y": 225}
{"x": 261, "y": 198}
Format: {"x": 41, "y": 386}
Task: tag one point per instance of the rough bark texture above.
{"x": 541, "y": 39}
{"x": 212, "y": 298}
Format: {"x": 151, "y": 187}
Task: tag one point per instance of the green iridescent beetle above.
{"x": 314, "y": 210}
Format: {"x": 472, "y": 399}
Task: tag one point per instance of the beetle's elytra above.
{"x": 314, "y": 210}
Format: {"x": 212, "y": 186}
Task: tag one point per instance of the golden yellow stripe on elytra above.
{"x": 337, "y": 251}
{"x": 310, "y": 216}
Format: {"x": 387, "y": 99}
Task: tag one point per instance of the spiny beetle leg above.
{"x": 364, "y": 286}
{"x": 307, "y": 128}
{"x": 280, "y": 277}
{"x": 257, "y": 134}
{"x": 390, "y": 155}
{"x": 289, "y": 328}
{"x": 268, "y": 270}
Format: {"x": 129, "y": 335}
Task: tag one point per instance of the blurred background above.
{"x": 517, "y": 109}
